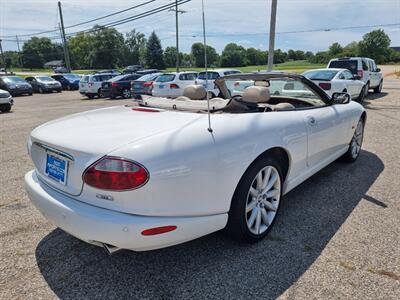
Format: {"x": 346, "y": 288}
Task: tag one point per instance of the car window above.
{"x": 341, "y": 76}
{"x": 348, "y": 75}
{"x": 364, "y": 65}
{"x": 188, "y": 76}
{"x": 85, "y": 79}
{"x": 149, "y": 77}
{"x": 44, "y": 78}
{"x": 349, "y": 64}
{"x": 325, "y": 75}
{"x": 165, "y": 78}
{"x": 211, "y": 75}
{"x": 231, "y": 72}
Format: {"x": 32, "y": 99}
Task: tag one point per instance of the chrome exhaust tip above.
{"x": 110, "y": 249}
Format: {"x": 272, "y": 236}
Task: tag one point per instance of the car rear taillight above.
{"x": 117, "y": 174}
{"x": 360, "y": 73}
{"x": 90, "y": 84}
{"x": 114, "y": 84}
{"x": 148, "y": 84}
{"x": 325, "y": 86}
{"x": 173, "y": 86}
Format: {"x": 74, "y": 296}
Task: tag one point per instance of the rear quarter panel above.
{"x": 194, "y": 172}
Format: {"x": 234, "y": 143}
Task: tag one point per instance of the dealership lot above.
{"x": 337, "y": 236}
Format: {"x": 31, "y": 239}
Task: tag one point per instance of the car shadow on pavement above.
{"x": 215, "y": 266}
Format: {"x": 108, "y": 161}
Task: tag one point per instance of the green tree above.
{"x": 351, "y": 50}
{"x": 80, "y": 49}
{"x": 321, "y": 57}
{"x": 335, "y": 49}
{"x": 108, "y": 48}
{"x": 256, "y": 57}
{"x": 136, "y": 47}
{"x": 375, "y": 44}
{"x": 308, "y": 55}
{"x": 37, "y": 51}
{"x": 280, "y": 56}
{"x": 233, "y": 55}
{"x": 154, "y": 52}
{"x": 197, "y": 54}
{"x": 170, "y": 57}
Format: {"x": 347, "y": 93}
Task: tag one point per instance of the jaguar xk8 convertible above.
{"x": 169, "y": 171}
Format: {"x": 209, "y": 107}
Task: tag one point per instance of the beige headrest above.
{"x": 283, "y": 106}
{"x": 256, "y": 94}
{"x": 195, "y": 92}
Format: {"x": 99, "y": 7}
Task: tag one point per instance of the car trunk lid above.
{"x": 83, "y": 138}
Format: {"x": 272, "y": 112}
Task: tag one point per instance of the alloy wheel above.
{"x": 356, "y": 142}
{"x": 263, "y": 200}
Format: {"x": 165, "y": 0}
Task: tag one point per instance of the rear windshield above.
{"x": 165, "y": 78}
{"x": 344, "y": 64}
{"x": 85, "y": 78}
{"x": 211, "y": 75}
{"x": 117, "y": 78}
{"x": 323, "y": 75}
{"x": 149, "y": 77}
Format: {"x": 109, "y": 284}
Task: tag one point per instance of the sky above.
{"x": 245, "y": 22}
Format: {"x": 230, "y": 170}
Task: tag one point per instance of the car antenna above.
{"x": 206, "y": 68}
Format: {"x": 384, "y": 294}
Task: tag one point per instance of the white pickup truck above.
{"x": 6, "y": 101}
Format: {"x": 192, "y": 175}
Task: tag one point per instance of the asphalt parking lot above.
{"x": 337, "y": 235}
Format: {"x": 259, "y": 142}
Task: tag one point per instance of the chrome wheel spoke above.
{"x": 258, "y": 221}
{"x": 269, "y": 205}
{"x": 264, "y": 215}
{"x": 271, "y": 182}
{"x": 251, "y": 205}
{"x": 252, "y": 218}
{"x": 253, "y": 192}
{"x": 272, "y": 193}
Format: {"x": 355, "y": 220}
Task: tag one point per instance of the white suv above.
{"x": 364, "y": 68}
{"x": 212, "y": 75}
{"x": 171, "y": 85}
{"x": 90, "y": 85}
{"x": 6, "y": 101}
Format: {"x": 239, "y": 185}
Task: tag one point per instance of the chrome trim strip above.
{"x": 63, "y": 154}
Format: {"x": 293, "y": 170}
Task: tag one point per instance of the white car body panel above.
{"x": 6, "y": 98}
{"x": 193, "y": 173}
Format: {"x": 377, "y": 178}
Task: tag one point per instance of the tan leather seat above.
{"x": 195, "y": 92}
{"x": 283, "y": 106}
{"x": 256, "y": 94}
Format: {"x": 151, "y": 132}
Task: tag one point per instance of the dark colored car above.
{"x": 44, "y": 84}
{"x": 60, "y": 70}
{"x": 118, "y": 86}
{"x": 132, "y": 69}
{"x": 143, "y": 85}
{"x": 15, "y": 85}
{"x": 68, "y": 81}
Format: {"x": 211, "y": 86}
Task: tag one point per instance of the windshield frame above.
{"x": 220, "y": 82}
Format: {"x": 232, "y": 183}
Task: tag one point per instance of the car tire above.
{"x": 100, "y": 93}
{"x": 378, "y": 89}
{"x": 68, "y": 87}
{"x": 355, "y": 144}
{"x": 40, "y": 89}
{"x": 366, "y": 89}
{"x": 251, "y": 208}
{"x": 90, "y": 96}
{"x": 361, "y": 96}
{"x": 58, "y": 91}
{"x": 30, "y": 93}
{"x": 126, "y": 94}
{"x": 5, "y": 107}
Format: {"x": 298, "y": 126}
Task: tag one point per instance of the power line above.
{"x": 82, "y": 23}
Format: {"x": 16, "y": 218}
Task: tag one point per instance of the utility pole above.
{"x": 177, "y": 11}
{"x": 3, "y": 59}
{"x": 272, "y": 35}
{"x": 19, "y": 51}
{"x": 66, "y": 53}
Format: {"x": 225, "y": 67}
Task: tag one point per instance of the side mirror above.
{"x": 340, "y": 98}
{"x": 357, "y": 77}
{"x": 377, "y": 70}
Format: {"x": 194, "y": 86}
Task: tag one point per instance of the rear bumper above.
{"x": 8, "y": 100}
{"x": 97, "y": 225}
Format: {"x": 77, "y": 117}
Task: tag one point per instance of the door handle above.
{"x": 312, "y": 121}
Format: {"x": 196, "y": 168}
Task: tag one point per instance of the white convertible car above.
{"x": 140, "y": 178}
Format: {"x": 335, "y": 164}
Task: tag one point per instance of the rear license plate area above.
{"x": 56, "y": 168}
